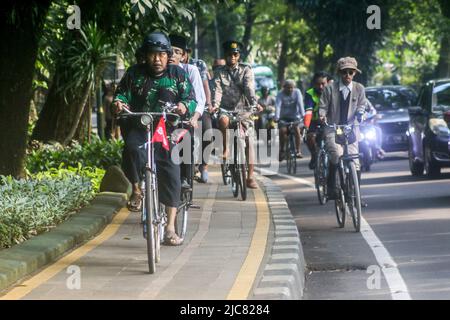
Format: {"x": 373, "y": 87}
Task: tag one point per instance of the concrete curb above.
{"x": 283, "y": 277}
{"x": 25, "y": 259}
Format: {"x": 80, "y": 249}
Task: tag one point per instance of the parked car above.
{"x": 429, "y": 134}
{"x": 392, "y": 103}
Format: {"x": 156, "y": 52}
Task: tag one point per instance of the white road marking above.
{"x": 397, "y": 286}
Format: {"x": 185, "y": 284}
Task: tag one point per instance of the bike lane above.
{"x": 218, "y": 260}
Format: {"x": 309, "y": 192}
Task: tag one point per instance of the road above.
{"x": 409, "y": 215}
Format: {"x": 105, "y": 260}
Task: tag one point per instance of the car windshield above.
{"x": 264, "y": 82}
{"x": 391, "y": 99}
{"x": 441, "y": 98}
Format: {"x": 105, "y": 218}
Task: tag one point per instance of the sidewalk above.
{"x": 225, "y": 254}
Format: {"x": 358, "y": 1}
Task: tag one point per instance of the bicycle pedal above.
{"x": 193, "y": 206}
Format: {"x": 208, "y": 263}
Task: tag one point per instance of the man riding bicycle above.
{"x": 342, "y": 103}
{"x": 145, "y": 87}
{"x": 312, "y": 99}
{"x": 234, "y": 90}
{"x": 289, "y": 108}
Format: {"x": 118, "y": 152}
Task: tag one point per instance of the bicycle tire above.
{"x": 225, "y": 177}
{"x": 339, "y": 202}
{"x": 354, "y": 196}
{"x": 235, "y": 176}
{"x": 152, "y": 231}
{"x": 293, "y": 152}
{"x": 321, "y": 177}
{"x": 243, "y": 181}
{"x": 288, "y": 157}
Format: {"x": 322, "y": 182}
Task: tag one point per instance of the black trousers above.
{"x": 134, "y": 158}
{"x": 206, "y": 125}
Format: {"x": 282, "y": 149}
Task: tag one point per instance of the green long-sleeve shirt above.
{"x": 146, "y": 93}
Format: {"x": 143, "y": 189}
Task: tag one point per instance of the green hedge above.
{"x": 97, "y": 154}
{"x": 32, "y": 206}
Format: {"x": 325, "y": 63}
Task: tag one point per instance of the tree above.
{"x": 108, "y": 29}
{"x": 21, "y": 27}
{"x": 443, "y": 66}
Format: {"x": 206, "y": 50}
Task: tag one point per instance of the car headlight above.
{"x": 438, "y": 126}
{"x": 371, "y": 134}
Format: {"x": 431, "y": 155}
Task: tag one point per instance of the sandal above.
{"x": 172, "y": 239}
{"x": 135, "y": 203}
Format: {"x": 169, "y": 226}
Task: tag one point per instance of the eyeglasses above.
{"x": 349, "y": 72}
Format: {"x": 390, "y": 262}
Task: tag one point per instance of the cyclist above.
{"x": 312, "y": 99}
{"x": 289, "y": 108}
{"x": 206, "y": 116}
{"x": 143, "y": 88}
{"x": 234, "y": 90}
{"x": 267, "y": 101}
{"x": 342, "y": 102}
{"x": 179, "y": 48}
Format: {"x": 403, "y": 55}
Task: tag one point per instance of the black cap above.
{"x": 179, "y": 41}
{"x": 232, "y": 46}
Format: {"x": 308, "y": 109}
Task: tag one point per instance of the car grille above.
{"x": 394, "y": 127}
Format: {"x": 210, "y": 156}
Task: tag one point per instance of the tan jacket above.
{"x": 233, "y": 87}
{"x": 329, "y": 105}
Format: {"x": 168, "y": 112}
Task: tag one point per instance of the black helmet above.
{"x": 156, "y": 42}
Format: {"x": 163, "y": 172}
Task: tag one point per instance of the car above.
{"x": 429, "y": 134}
{"x": 392, "y": 103}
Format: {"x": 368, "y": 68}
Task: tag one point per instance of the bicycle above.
{"x": 153, "y": 215}
{"x": 289, "y": 145}
{"x": 321, "y": 169}
{"x": 348, "y": 198}
{"x": 236, "y": 172}
{"x": 186, "y": 194}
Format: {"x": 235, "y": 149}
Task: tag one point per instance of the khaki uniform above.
{"x": 235, "y": 90}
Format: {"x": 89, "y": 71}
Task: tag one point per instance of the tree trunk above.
{"x": 443, "y": 66}
{"x": 17, "y": 57}
{"x": 250, "y": 17}
{"x": 283, "y": 59}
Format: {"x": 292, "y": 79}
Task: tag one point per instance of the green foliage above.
{"x": 97, "y": 154}
{"x": 33, "y": 206}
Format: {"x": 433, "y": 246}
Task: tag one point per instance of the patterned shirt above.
{"x": 201, "y": 65}
{"x": 234, "y": 88}
{"x": 146, "y": 93}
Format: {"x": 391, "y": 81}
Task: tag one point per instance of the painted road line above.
{"x": 156, "y": 286}
{"x": 247, "y": 275}
{"x": 397, "y": 286}
{"x": 394, "y": 279}
{"x": 297, "y": 179}
{"x": 49, "y": 272}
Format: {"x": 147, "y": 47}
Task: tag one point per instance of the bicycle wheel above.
{"x": 293, "y": 152}
{"x": 288, "y": 157}
{"x": 225, "y": 174}
{"x": 339, "y": 202}
{"x": 235, "y": 177}
{"x": 243, "y": 175}
{"x": 150, "y": 231}
{"x": 320, "y": 174}
{"x": 354, "y": 198}
{"x": 182, "y": 216}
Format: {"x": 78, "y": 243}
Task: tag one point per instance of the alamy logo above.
{"x": 374, "y": 280}
{"x": 74, "y": 20}
{"x": 73, "y": 282}
{"x": 374, "y": 21}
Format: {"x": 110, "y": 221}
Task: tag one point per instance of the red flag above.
{"x": 160, "y": 134}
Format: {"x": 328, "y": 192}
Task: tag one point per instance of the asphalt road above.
{"x": 409, "y": 215}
